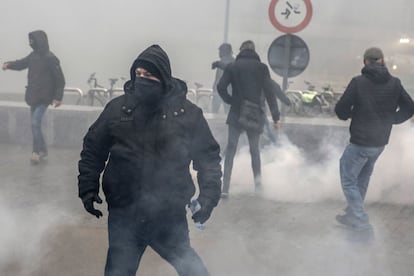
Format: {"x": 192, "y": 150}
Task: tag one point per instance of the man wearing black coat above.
{"x": 374, "y": 101}
{"x": 44, "y": 87}
{"x": 250, "y": 80}
{"x": 145, "y": 141}
{"x": 226, "y": 57}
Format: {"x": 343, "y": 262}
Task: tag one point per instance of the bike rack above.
{"x": 191, "y": 94}
{"x": 98, "y": 94}
{"x": 103, "y": 95}
{"x": 203, "y": 92}
{"x": 116, "y": 92}
{"x": 76, "y": 91}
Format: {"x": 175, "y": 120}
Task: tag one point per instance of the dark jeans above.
{"x": 130, "y": 233}
{"x": 36, "y": 114}
{"x": 233, "y": 140}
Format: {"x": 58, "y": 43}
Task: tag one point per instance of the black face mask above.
{"x": 32, "y": 43}
{"x": 148, "y": 91}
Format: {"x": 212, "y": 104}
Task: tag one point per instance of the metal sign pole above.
{"x": 226, "y": 22}
{"x": 286, "y": 61}
{"x": 286, "y": 66}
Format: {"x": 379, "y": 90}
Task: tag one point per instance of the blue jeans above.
{"x": 130, "y": 232}
{"x": 356, "y": 166}
{"x": 37, "y": 113}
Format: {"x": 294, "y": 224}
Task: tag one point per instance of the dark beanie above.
{"x": 150, "y": 67}
{"x": 248, "y": 44}
{"x": 373, "y": 54}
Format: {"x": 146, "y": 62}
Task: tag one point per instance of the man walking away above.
{"x": 374, "y": 101}
{"x": 251, "y": 85}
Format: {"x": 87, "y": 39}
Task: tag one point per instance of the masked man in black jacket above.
{"x": 146, "y": 140}
{"x": 250, "y": 80}
{"x": 44, "y": 87}
{"x": 374, "y": 101}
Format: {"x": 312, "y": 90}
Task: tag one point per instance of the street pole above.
{"x": 226, "y": 22}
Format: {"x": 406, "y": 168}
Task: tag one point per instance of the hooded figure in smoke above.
{"x": 151, "y": 135}
{"x": 226, "y": 57}
{"x": 374, "y": 101}
{"x": 44, "y": 87}
{"x": 251, "y": 83}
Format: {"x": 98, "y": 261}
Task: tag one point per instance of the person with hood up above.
{"x": 374, "y": 101}
{"x": 226, "y": 57}
{"x": 144, "y": 141}
{"x": 250, "y": 80}
{"x": 45, "y": 86}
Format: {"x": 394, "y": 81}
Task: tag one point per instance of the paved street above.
{"x": 45, "y": 231}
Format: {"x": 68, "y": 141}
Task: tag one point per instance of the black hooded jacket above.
{"x": 150, "y": 153}
{"x": 249, "y": 78}
{"x": 45, "y": 77}
{"x": 374, "y": 101}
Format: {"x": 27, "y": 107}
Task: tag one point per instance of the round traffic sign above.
{"x": 290, "y": 16}
{"x": 288, "y": 55}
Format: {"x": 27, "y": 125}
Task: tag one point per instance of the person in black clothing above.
{"x": 45, "y": 86}
{"x": 226, "y": 57}
{"x": 145, "y": 141}
{"x": 250, "y": 80}
{"x": 280, "y": 95}
{"x": 374, "y": 101}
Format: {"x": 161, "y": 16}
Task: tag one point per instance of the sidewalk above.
{"x": 46, "y": 232}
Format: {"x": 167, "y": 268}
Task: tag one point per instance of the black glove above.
{"x": 215, "y": 64}
{"x": 204, "y": 213}
{"x": 88, "y": 200}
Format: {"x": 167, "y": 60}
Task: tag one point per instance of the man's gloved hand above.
{"x": 215, "y": 64}
{"x": 88, "y": 201}
{"x": 204, "y": 213}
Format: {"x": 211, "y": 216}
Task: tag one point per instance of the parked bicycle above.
{"x": 311, "y": 102}
{"x": 101, "y": 94}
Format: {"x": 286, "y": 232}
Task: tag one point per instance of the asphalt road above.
{"x": 45, "y": 231}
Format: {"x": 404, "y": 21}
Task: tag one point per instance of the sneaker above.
{"x": 35, "y": 159}
{"x": 224, "y": 195}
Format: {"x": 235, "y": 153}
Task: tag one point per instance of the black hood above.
{"x": 376, "y": 72}
{"x": 40, "y": 41}
{"x": 248, "y": 53}
{"x": 159, "y": 58}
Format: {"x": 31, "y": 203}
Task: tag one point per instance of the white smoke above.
{"x": 23, "y": 232}
{"x": 289, "y": 176}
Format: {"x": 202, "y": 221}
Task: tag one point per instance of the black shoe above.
{"x": 344, "y": 220}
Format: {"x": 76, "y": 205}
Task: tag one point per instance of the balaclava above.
{"x": 147, "y": 90}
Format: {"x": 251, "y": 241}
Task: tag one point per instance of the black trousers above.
{"x": 130, "y": 232}
{"x": 233, "y": 140}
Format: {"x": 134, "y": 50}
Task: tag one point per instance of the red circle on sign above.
{"x": 294, "y": 29}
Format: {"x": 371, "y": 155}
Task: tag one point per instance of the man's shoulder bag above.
{"x": 251, "y": 116}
